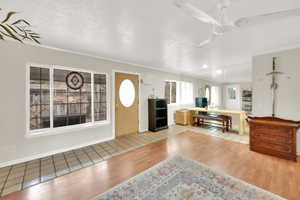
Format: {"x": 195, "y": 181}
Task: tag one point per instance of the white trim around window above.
{"x": 184, "y": 93}
{"x": 70, "y": 128}
{"x": 172, "y": 81}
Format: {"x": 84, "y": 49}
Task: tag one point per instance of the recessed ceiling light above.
{"x": 205, "y": 66}
{"x": 219, "y": 71}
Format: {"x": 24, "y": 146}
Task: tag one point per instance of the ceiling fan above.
{"x": 222, "y": 24}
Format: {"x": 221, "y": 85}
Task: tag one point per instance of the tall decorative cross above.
{"x": 274, "y": 84}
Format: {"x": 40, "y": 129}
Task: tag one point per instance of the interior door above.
{"x": 127, "y": 103}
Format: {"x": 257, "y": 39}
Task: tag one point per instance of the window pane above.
{"x": 86, "y": 97}
{"x": 86, "y": 108}
{"x": 35, "y": 111}
{"x": 60, "y": 115}
{"x": 215, "y": 96}
{"x": 100, "y": 97}
{"x": 173, "y": 92}
{"x": 71, "y": 106}
{"x": 45, "y": 112}
{"x": 59, "y": 97}
{"x": 35, "y": 97}
{"x": 207, "y": 93}
{"x": 186, "y": 92}
{"x": 99, "y": 116}
{"x": 45, "y": 95}
{"x": 167, "y": 91}
{"x": 74, "y": 109}
{"x": 97, "y": 97}
{"x": 34, "y": 123}
{"x": 74, "y": 97}
{"x": 39, "y": 98}
{"x": 60, "y": 110}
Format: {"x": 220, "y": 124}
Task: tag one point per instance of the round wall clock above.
{"x": 74, "y": 80}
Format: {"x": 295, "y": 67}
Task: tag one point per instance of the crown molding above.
{"x": 276, "y": 50}
{"x": 167, "y": 70}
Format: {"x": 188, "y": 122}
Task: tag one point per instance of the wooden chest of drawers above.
{"x": 183, "y": 117}
{"x": 274, "y": 136}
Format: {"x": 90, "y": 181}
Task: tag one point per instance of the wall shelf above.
{"x": 247, "y": 101}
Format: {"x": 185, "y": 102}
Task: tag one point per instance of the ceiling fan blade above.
{"x": 191, "y": 9}
{"x": 206, "y": 42}
{"x": 201, "y": 45}
{"x": 226, "y": 3}
{"x": 248, "y": 21}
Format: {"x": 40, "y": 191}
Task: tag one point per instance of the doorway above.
{"x": 126, "y": 103}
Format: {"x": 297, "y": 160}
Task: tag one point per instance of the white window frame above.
{"x": 70, "y": 128}
{"x": 172, "y": 81}
{"x": 180, "y": 93}
{"x": 215, "y": 90}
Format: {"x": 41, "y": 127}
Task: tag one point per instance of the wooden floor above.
{"x": 276, "y": 175}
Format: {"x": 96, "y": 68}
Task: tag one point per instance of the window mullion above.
{"x": 178, "y": 94}
{"x": 51, "y": 97}
{"x": 172, "y": 85}
{"x": 171, "y": 100}
{"x": 92, "y": 96}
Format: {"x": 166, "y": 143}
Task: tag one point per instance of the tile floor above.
{"x": 20, "y": 176}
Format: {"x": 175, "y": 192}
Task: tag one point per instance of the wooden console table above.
{"x": 274, "y": 136}
{"x": 241, "y": 114}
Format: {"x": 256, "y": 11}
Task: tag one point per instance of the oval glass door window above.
{"x": 127, "y": 93}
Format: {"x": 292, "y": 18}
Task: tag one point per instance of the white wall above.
{"x": 235, "y": 104}
{"x": 230, "y": 104}
{"x": 288, "y": 96}
{"x": 14, "y": 56}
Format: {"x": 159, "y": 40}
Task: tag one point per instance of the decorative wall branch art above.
{"x": 16, "y": 29}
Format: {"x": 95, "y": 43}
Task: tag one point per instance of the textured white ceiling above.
{"x": 151, "y": 33}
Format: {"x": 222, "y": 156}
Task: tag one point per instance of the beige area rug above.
{"x": 179, "y": 178}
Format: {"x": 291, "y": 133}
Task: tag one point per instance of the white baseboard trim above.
{"x": 143, "y": 130}
{"x": 37, "y": 156}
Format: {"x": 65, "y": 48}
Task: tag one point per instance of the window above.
{"x": 127, "y": 93}
{"x": 55, "y": 103}
{"x": 100, "y": 104}
{"x": 170, "y": 91}
{"x": 39, "y": 98}
{"x": 186, "y": 91}
{"x": 70, "y": 106}
{"x": 215, "y": 96}
{"x": 179, "y": 92}
{"x": 207, "y": 94}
